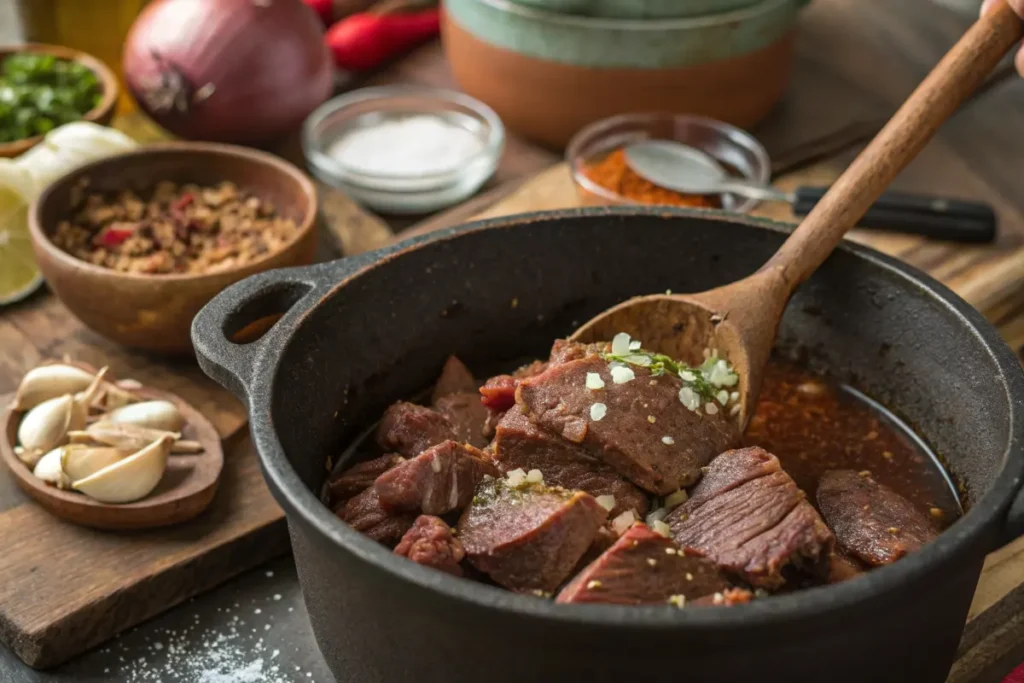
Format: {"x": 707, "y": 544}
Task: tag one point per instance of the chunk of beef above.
{"x": 842, "y": 567}
{"x": 365, "y": 514}
{"x": 749, "y": 517}
{"x": 726, "y": 598}
{"x": 499, "y": 393}
{"x": 438, "y": 480}
{"x": 360, "y": 477}
{"x": 409, "y": 429}
{"x": 529, "y": 537}
{"x": 871, "y": 522}
{"x": 630, "y": 436}
{"x": 563, "y": 350}
{"x": 455, "y": 378}
{"x": 644, "y": 567}
{"x": 430, "y": 542}
{"x": 520, "y": 444}
{"x": 467, "y": 415}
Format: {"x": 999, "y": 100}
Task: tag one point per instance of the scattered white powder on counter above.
{"x": 414, "y": 145}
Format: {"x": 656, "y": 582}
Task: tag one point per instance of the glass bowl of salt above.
{"x": 404, "y": 149}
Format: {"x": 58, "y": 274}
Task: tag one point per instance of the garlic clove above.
{"x": 115, "y": 396}
{"x": 162, "y": 415}
{"x": 45, "y": 427}
{"x": 50, "y": 381}
{"x": 129, "y": 479}
{"x": 49, "y": 469}
{"x": 79, "y": 461}
{"x": 123, "y": 435}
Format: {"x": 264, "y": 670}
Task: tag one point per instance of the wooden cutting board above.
{"x": 990, "y": 277}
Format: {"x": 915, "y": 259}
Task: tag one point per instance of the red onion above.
{"x": 228, "y": 70}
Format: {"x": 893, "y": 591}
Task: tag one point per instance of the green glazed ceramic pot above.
{"x": 638, "y": 9}
{"x": 548, "y": 74}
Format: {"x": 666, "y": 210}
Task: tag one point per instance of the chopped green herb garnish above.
{"x": 39, "y": 92}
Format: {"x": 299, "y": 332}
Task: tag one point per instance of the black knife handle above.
{"x": 954, "y": 220}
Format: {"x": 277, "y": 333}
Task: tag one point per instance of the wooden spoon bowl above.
{"x": 186, "y": 488}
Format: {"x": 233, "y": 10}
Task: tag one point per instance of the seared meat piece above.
{"x": 360, "y": 477}
{"x": 438, "y": 480}
{"x": 842, "y": 567}
{"x": 528, "y": 537}
{"x": 520, "y": 444}
{"x": 499, "y": 392}
{"x": 409, "y": 429}
{"x": 871, "y": 522}
{"x": 749, "y": 517}
{"x": 364, "y": 513}
{"x": 455, "y": 378}
{"x": 467, "y": 415}
{"x": 430, "y": 542}
{"x": 630, "y": 436}
{"x": 563, "y": 350}
{"x": 455, "y": 396}
{"x": 726, "y": 598}
{"x": 644, "y": 567}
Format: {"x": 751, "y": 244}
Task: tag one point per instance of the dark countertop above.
{"x": 253, "y": 629}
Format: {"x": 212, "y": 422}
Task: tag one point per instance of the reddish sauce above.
{"x": 813, "y": 426}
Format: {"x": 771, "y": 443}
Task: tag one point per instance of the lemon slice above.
{"x": 19, "y": 275}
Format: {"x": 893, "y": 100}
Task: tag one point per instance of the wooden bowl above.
{"x": 101, "y": 113}
{"x": 186, "y": 489}
{"x": 154, "y": 312}
{"x": 548, "y": 75}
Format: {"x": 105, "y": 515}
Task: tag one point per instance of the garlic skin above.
{"x": 130, "y": 437}
{"x": 50, "y": 381}
{"x": 45, "y": 427}
{"x": 49, "y": 469}
{"x": 130, "y": 479}
{"x": 78, "y": 461}
{"x": 162, "y": 415}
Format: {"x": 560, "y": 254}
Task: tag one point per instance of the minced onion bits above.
{"x": 708, "y": 388}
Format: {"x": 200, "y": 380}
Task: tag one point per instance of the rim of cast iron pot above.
{"x": 299, "y": 501}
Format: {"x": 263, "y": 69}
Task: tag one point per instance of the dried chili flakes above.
{"x": 174, "y": 229}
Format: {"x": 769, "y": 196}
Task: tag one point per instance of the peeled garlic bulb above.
{"x": 45, "y": 427}
{"x": 79, "y": 461}
{"x": 50, "y": 381}
{"x": 162, "y": 415}
{"x": 49, "y": 470}
{"x": 129, "y": 479}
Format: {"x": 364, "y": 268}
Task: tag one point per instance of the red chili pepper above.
{"x": 367, "y": 40}
{"x": 112, "y": 236}
{"x": 183, "y": 202}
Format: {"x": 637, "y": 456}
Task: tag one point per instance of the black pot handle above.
{"x": 955, "y": 220}
{"x": 1015, "y": 519}
{"x": 289, "y": 292}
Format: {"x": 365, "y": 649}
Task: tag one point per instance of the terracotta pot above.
{"x": 548, "y": 75}
{"x": 101, "y": 113}
{"x": 632, "y": 9}
{"x": 154, "y": 312}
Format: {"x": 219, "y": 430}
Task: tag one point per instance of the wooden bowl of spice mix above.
{"x": 135, "y": 245}
{"x": 45, "y": 86}
{"x": 597, "y": 160}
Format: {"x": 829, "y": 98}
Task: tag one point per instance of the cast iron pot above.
{"x": 362, "y": 332}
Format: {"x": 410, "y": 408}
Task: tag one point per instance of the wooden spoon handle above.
{"x": 962, "y": 70}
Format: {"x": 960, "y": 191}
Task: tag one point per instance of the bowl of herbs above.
{"x": 45, "y": 86}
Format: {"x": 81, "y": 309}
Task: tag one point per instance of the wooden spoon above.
{"x": 740, "y": 319}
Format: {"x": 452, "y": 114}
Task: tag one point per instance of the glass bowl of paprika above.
{"x": 597, "y": 160}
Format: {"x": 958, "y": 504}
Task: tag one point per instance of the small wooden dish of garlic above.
{"x": 109, "y": 454}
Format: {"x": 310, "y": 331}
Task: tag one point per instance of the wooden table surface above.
{"x": 857, "y": 60}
